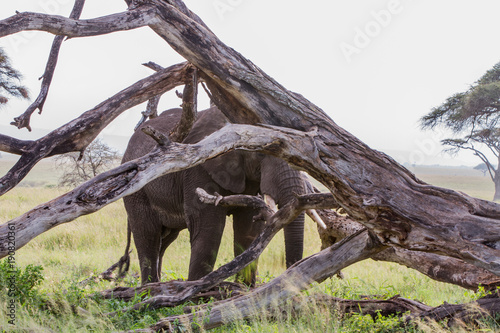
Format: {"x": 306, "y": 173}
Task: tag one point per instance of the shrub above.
{"x": 19, "y": 283}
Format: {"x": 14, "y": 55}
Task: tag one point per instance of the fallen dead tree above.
{"x": 397, "y": 209}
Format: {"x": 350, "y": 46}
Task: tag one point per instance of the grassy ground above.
{"x": 73, "y": 252}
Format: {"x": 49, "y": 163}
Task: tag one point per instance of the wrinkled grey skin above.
{"x": 160, "y": 210}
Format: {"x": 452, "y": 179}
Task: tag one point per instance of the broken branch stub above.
{"x": 189, "y": 108}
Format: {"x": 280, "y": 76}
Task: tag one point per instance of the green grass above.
{"x": 72, "y": 252}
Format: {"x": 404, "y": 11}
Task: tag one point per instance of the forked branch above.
{"x": 24, "y": 119}
{"x": 132, "y": 176}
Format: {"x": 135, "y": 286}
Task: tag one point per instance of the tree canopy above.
{"x": 473, "y": 117}
{"x": 10, "y": 80}
{"x": 80, "y": 167}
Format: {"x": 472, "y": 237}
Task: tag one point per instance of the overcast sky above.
{"x": 374, "y": 66}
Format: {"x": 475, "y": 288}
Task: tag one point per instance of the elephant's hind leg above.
{"x": 146, "y": 229}
{"x": 168, "y": 237}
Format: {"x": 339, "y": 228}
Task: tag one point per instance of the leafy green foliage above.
{"x": 19, "y": 283}
{"x": 10, "y": 80}
{"x": 474, "y": 119}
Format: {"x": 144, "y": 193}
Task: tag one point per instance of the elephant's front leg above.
{"x": 205, "y": 223}
{"x": 205, "y": 232}
{"x": 245, "y": 232}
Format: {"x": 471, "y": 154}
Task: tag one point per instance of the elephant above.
{"x": 169, "y": 204}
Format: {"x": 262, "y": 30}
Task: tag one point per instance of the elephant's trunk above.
{"x": 285, "y": 184}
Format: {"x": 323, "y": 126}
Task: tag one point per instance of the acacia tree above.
{"x": 473, "y": 117}
{"x": 10, "y": 80}
{"x": 394, "y": 207}
{"x": 80, "y": 167}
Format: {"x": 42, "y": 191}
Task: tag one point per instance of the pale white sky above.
{"x": 374, "y": 66}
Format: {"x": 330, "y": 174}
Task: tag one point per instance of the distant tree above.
{"x": 78, "y": 168}
{"x": 10, "y": 80}
{"x": 473, "y": 116}
{"x": 482, "y": 167}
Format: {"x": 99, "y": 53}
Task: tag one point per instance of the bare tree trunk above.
{"x": 496, "y": 181}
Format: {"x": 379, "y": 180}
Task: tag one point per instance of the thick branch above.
{"x": 24, "y": 119}
{"x": 189, "y": 108}
{"x": 14, "y": 146}
{"x": 375, "y": 190}
{"x": 59, "y": 25}
{"x": 130, "y": 177}
{"x": 77, "y": 134}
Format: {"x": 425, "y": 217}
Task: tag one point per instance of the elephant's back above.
{"x": 208, "y": 121}
{"x": 140, "y": 143}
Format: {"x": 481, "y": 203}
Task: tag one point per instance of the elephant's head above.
{"x": 251, "y": 173}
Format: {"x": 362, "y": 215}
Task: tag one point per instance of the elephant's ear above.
{"x": 227, "y": 171}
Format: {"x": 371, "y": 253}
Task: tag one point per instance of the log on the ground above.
{"x": 220, "y": 291}
{"x": 373, "y": 306}
{"x": 487, "y": 308}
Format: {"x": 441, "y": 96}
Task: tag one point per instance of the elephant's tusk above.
{"x": 270, "y": 202}
{"x": 313, "y": 214}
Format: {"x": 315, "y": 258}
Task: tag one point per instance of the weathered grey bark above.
{"x": 130, "y": 177}
{"x": 189, "y": 108}
{"x": 394, "y": 306}
{"x": 487, "y": 307}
